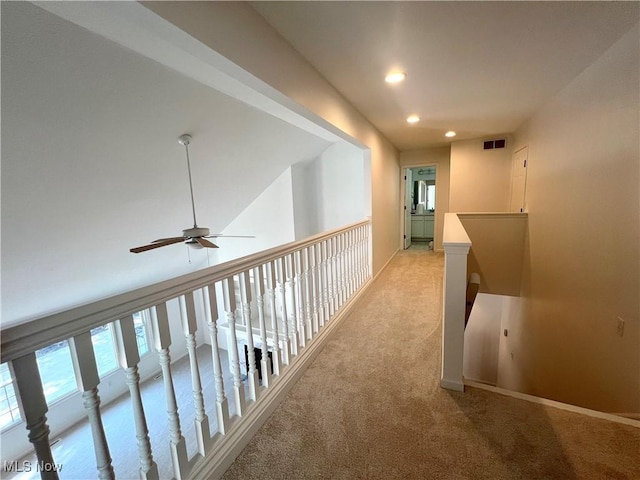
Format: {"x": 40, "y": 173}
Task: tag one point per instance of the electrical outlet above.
{"x": 620, "y": 326}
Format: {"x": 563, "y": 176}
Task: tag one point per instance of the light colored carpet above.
{"x": 370, "y": 407}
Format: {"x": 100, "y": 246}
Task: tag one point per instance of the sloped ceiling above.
{"x": 91, "y": 166}
{"x": 478, "y": 68}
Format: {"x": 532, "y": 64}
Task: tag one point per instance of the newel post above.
{"x": 456, "y": 247}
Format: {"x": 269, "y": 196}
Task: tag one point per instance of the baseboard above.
{"x": 632, "y": 416}
{"x": 617, "y": 418}
{"x": 226, "y": 448}
{"x": 476, "y": 380}
{"x": 452, "y": 385}
{"x": 385, "y": 265}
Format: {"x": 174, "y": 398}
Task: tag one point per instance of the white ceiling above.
{"x": 479, "y": 68}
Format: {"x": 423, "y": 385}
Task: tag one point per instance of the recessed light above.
{"x": 395, "y": 77}
{"x": 450, "y": 134}
{"x": 413, "y": 119}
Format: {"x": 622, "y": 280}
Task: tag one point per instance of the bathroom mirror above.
{"x": 424, "y": 195}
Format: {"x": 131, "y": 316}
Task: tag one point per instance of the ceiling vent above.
{"x": 491, "y": 144}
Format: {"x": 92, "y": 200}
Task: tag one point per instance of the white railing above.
{"x": 290, "y": 298}
{"x": 456, "y": 244}
{"x": 497, "y": 252}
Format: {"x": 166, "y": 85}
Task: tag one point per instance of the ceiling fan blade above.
{"x": 168, "y": 241}
{"x": 216, "y": 235}
{"x": 205, "y": 243}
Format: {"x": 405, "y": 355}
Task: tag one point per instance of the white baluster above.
{"x": 299, "y": 294}
{"x": 368, "y": 252}
{"x": 229, "y": 293}
{"x": 344, "y": 278}
{"x": 360, "y": 256}
{"x": 87, "y": 378}
{"x": 351, "y": 259}
{"x": 162, "y": 344}
{"x": 335, "y": 274}
{"x": 345, "y": 266}
{"x": 211, "y": 314}
{"x": 293, "y": 315}
{"x": 365, "y": 252}
{"x": 307, "y": 296}
{"x": 245, "y": 298}
{"x": 271, "y": 290}
{"x": 342, "y": 266}
{"x": 320, "y": 284}
{"x": 329, "y": 275}
{"x": 129, "y": 358}
{"x": 189, "y": 328}
{"x": 287, "y": 346}
{"x": 265, "y": 368}
{"x": 315, "y": 285}
{"x": 325, "y": 268}
{"x": 33, "y": 409}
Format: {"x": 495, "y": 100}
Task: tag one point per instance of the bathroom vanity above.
{"x": 422, "y": 226}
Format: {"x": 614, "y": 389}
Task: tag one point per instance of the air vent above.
{"x": 491, "y": 144}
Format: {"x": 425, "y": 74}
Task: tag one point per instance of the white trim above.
{"x": 455, "y": 239}
{"x": 552, "y": 403}
{"x": 385, "y": 265}
{"x": 226, "y": 448}
{"x": 403, "y": 172}
{"x": 452, "y": 385}
{"x": 632, "y": 416}
{"x": 493, "y": 215}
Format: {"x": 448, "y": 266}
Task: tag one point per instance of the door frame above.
{"x": 403, "y": 171}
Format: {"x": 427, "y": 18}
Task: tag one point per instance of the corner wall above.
{"x": 582, "y": 266}
{"x": 269, "y": 218}
{"x": 329, "y": 191}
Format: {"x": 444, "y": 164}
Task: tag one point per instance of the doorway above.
{"x": 419, "y": 207}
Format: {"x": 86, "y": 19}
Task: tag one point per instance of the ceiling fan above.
{"x": 196, "y": 236}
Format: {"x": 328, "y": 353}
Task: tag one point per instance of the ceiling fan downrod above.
{"x": 185, "y": 139}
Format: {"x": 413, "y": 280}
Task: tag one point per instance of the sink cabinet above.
{"x": 422, "y": 226}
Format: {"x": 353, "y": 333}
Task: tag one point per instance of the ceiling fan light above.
{"x": 193, "y": 244}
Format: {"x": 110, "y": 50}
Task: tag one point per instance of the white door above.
{"x": 518, "y": 180}
{"x": 408, "y": 191}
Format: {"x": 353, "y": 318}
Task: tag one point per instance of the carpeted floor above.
{"x": 370, "y": 407}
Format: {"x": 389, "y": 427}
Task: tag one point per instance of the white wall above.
{"x": 480, "y": 179}
{"x": 439, "y": 157}
{"x": 269, "y": 218}
{"x": 582, "y": 263}
{"x": 305, "y": 193}
{"x": 482, "y": 339}
{"x": 238, "y": 32}
{"x": 329, "y": 192}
